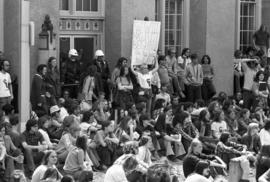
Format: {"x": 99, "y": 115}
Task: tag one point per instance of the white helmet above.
{"x": 99, "y": 53}
{"x": 72, "y": 52}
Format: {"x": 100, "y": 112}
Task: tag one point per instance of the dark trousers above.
{"x": 11, "y": 165}
{"x": 194, "y": 93}
{"x": 32, "y": 159}
{"x": 248, "y": 98}
{"x": 208, "y": 89}
{"x": 105, "y": 155}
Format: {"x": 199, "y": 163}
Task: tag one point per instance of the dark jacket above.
{"x": 37, "y": 90}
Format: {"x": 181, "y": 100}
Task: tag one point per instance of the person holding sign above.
{"x": 144, "y": 77}
{"x": 260, "y": 90}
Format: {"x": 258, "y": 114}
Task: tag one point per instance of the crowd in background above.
{"x": 133, "y": 122}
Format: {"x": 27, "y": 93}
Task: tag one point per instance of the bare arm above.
{"x": 156, "y": 65}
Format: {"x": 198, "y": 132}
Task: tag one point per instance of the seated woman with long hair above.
{"x": 68, "y": 139}
{"x": 206, "y": 137}
{"x": 168, "y": 135}
{"x": 251, "y": 139}
{"x": 107, "y": 143}
{"x": 195, "y": 155}
{"x": 184, "y": 126}
{"x": 243, "y": 121}
{"x": 126, "y": 130}
{"x": 51, "y": 175}
{"x": 49, "y": 161}
{"x": 228, "y": 150}
{"x": 78, "y": 159}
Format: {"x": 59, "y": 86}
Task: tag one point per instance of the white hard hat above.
{"x": 73, "y": 52}
{"x": 99, "y": 53}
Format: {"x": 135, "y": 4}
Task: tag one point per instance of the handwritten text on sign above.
{"x": 145, "y": 41}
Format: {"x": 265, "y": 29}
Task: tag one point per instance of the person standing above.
{"x": 194, "y": 77}
{"x": 104, "y": 71}
{"x": 52, "y": 77}
{"x": 261, "y": 39}
{"x": 6, "y": 93}
{"x": 38, "y": 89}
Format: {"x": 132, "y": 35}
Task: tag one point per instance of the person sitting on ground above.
{"x": 13, "y": 132}
{"x": 195, "y": 155}
{"x": 33, "y": 146}
{"x": 144, "y": 153}
{"x": 243, "y": 121}
{"x": 106, "y": 142}
{"x": 51, "y": 175}
{"x": 265, "y": 133}
{"x": 49, "y": 161}
{"x": 67, "y": 142}
{"x": 78, "y": 159}
{"x": 11, "y": 157}
{"x": 43, "y": 125}
{"x": 119, "y": 172}
{"x": 169, "y": 135}
{"x": 227, "y": 150}
{"x": 218, "y": 125}
{"x": 201, "y": 173}
{"x": 251, "y": 139}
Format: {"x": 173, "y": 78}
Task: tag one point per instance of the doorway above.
{"x": 85, "y": 46}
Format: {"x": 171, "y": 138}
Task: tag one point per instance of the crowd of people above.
{"x": 135, "y": 122}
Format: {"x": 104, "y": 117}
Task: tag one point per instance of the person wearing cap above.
{"x": 104, "y": 71}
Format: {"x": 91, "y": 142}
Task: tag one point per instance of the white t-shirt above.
{"x": 45, "y": 137}
{"x": 264, "y": 137}
{"x": 39, "y": 173}
{"x": 63, "y": 113}
{"x": 145, "y": 79}
{"x": 180, "y": 60}
{"x": 249, "y": 75}
{"x": 115, "y": 173}
{"x": 219, "y": 127}
{"x": 196, "y": 178}
{"x": 5, "y": 80}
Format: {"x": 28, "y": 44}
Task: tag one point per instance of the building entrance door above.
{"x": 85, "y": 46}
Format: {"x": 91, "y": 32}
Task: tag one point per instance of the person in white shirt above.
{"x": 265, "y": 134}
{"x": 202, "y": 173}
{"x": 6, "y": 93}
{"x": 164, "y": 95}
{"x": 43, "y": 124}
{"x": 219, "y": 125}
{"x": 119, "y": 172}
{"x": 49, "y": 161}
{"x": 144, "y": 77}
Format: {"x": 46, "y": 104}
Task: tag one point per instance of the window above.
{"x": 173, "y": 24}
{"x": 64, "y": 5}
{"x": 247, "y": 22}
{"x": 86, "y": 5}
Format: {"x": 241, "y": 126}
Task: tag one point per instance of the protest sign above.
{"x": 145, "y": 41}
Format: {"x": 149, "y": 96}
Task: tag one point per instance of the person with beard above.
{"x": 202, "y": 173}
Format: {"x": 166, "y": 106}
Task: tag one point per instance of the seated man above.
{"x": 33, "y": 146}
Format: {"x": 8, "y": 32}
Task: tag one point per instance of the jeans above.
{"x": 248, "y": 98}
{"x": 193, "y": 93}
{"x": 4, "y": 101}
{"x": 32, "y": 159}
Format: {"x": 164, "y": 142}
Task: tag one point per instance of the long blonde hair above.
{"x": 193, "y": 144}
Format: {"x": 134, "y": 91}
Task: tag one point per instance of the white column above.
{"x": 1, "y": 25}
{"x": 162, "y": 19}
{"x": 186, "y": 23}
{"x": 24, "y": 73}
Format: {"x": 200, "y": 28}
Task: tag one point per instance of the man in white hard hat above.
{"x": 71, "y": 70}
{"x": 104, "y": 71}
